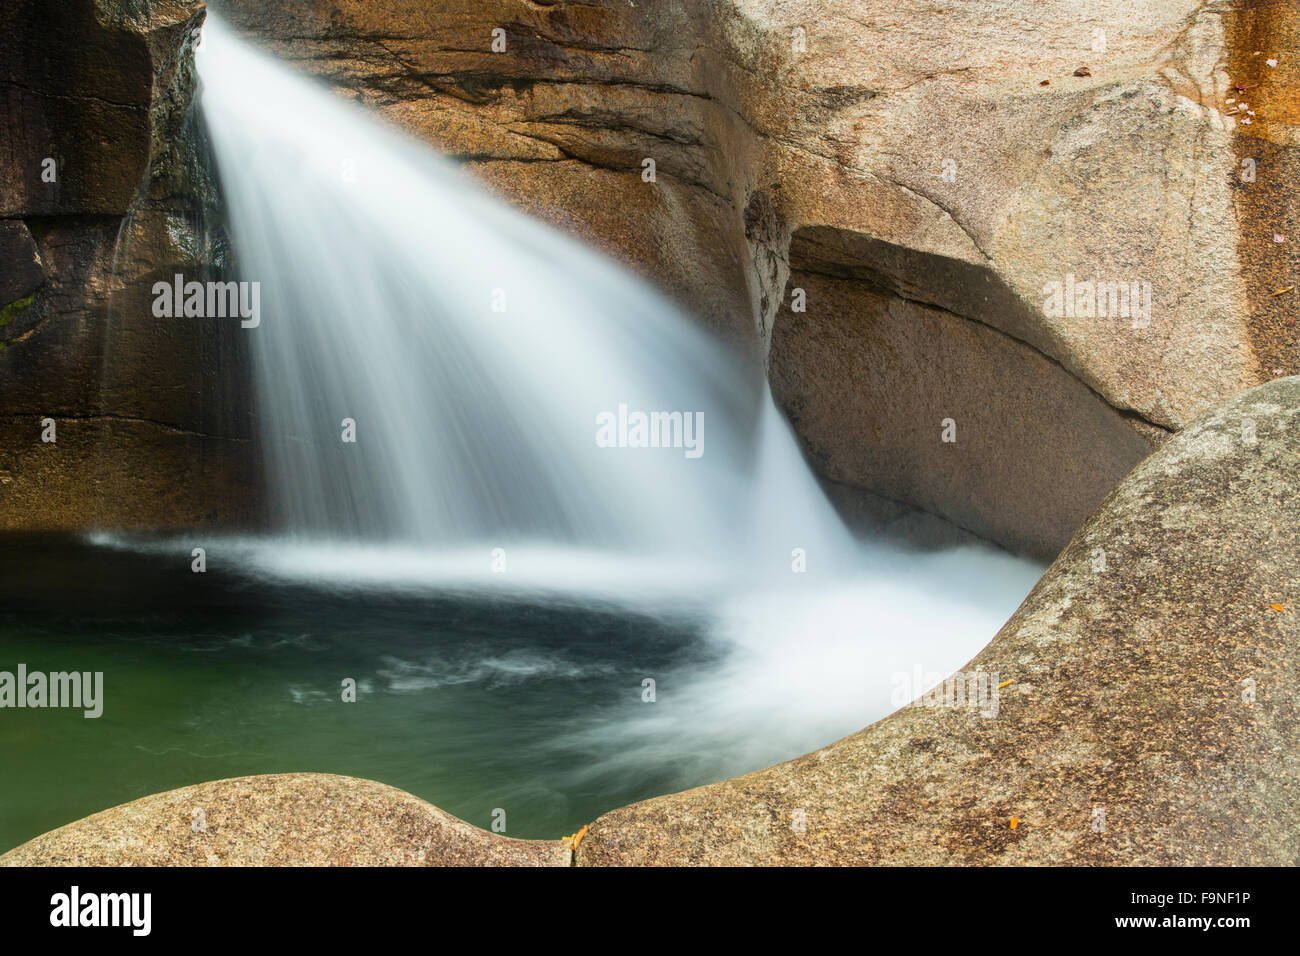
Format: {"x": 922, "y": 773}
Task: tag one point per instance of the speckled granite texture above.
{"x": 299, "y": 819}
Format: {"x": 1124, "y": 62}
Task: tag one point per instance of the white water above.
{"x": 476, "y": 430}
{"x": 378, "y": 265}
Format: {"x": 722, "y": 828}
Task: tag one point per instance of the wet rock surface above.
{"x": 104, "y": 189}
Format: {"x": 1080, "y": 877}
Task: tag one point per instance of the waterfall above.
{"x": 492, "y": 370}
{"x": 487, "y": 362}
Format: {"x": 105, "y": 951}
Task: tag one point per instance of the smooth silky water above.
{"x": 498, "y": 582}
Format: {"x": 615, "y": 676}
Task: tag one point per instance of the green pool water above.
{"x": 472, "y": 704}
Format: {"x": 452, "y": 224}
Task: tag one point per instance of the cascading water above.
{"x": 478, "y": 355}
{"x": 476, "y": 351}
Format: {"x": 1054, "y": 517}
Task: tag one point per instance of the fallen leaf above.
{"x": 1277, "y": 607}
{"x": 1083, "y": 71}
{"x": 1289, "y": 288}
{"x": 1014, "y": 823}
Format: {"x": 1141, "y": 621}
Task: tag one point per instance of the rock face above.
{"x": 886, "y": 203}
{"x": 293, "y": 819}
{"x": 1149, "y": 714}
{"x": 103, "y": 191}
{"x": 923, "y": 175}
{"x": 930, "y": 408}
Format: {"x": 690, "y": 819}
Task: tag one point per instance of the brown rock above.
{"x": 949, "y": 414}
{"x": 294, "y": 819}
{"x": 154, "y": 429}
